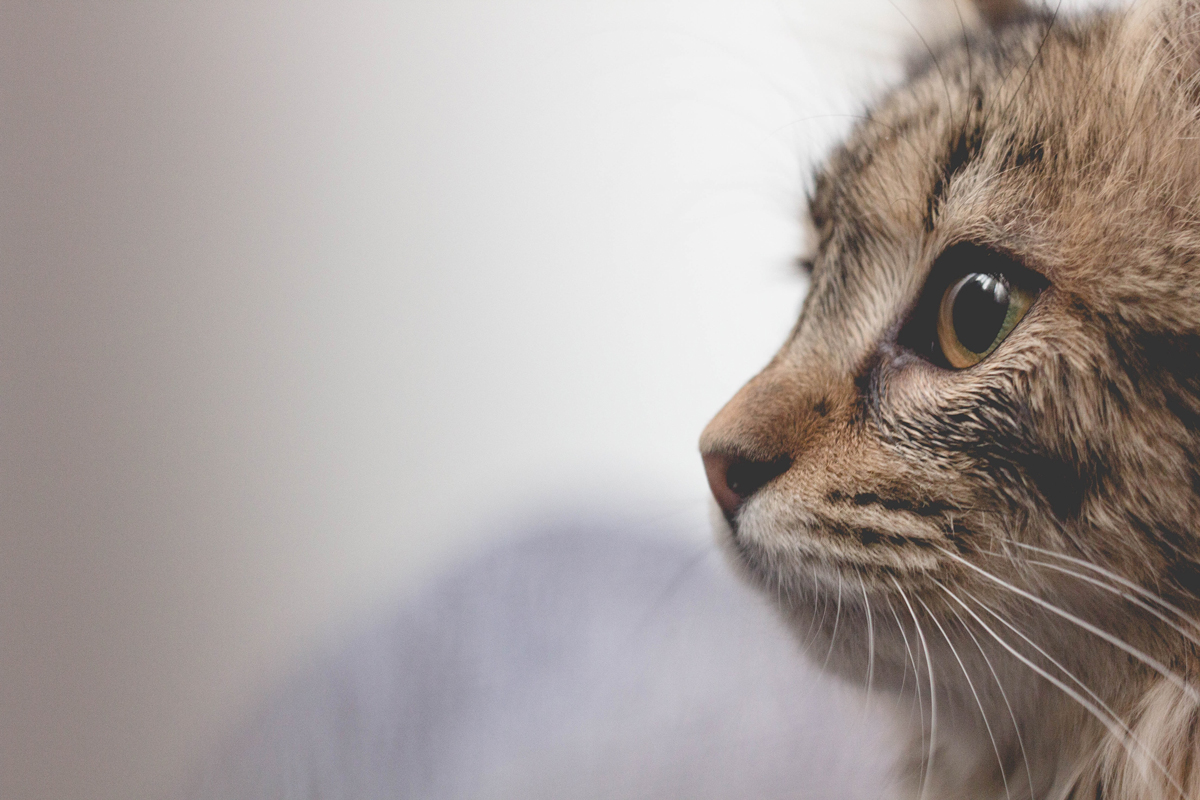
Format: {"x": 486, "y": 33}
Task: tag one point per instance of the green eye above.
{"x": 977, "y": 312}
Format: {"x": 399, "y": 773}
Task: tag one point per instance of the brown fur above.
{"x": 900, "y": 540}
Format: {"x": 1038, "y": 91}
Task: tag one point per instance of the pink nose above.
{"x": 734, "y": 479}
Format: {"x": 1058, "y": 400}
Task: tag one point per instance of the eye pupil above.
{"x": 979, "y": 305}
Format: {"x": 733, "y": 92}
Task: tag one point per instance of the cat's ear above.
{"x": 998, "y": 13}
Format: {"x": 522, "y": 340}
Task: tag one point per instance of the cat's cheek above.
{"x": 911, "y": 388}
{"x": 914, "y": 393}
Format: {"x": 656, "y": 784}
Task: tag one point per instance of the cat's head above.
{"x": 996, "y": 374}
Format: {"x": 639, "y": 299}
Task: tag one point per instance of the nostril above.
{"x": 734, "y": 479}
{"x": 744, "y": 477}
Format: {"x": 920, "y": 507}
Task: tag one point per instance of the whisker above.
{"x": 932, "y": 56}
{"x": 978, "y": 702}
{"x": 1129, "y": 735}
{"x": 1033, "y": 61}
{"x": 1042, "y": 652}
{"x": 812, "y": 622}
{"x": 932, "y": 691}
{"x": 1123, "y": 581}
{"x": 916, "y": 670}
{"x": 837, "y": 617}
{"x": 1113, "y": 724}
{"x": 966, "y": 40}
{"x": 824, "y": 610}
{"x": 1191, "y": 637}
{"x": 870, "y": 640}
{"x": 1143, "y": 592}
{"x": 1115, "y": 641}
{"x": 1003, "y": 696}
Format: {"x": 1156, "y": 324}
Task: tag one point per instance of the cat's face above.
{"x": 999, "y": 353}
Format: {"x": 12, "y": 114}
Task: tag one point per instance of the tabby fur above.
{"x": 1009, "y": 554}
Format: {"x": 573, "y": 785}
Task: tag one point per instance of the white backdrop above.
{"x": 300, "y": 301}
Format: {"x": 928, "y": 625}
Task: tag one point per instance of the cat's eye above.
{"x": 976, "y": 313}
{"x": 975, "y": 296}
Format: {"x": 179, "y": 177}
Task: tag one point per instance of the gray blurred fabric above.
{"x": 590, "y": 661}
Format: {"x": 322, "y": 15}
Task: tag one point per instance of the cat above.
{"x": 971, "y": 476}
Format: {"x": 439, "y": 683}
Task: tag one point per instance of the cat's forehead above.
{"x": 973, "y": 146}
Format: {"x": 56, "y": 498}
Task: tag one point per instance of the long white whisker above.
{"x": 1142, "y": 604}
{"x": 916, "y": 670}
{"x": 837, "y": 617}
{"x": 1112, "y": 576}
{"x": 814, "y": 622}
{"x": 1074, "y": 695}
{"x": 987, "y": 725}
{"x": 932, "y": 691}
{"x": 1042, "y": 652}
{"x": 1120, "y": 644}
{"x": 1133, "y": 587}
{"x": 1099, "y": 709}
{"x": 1003, "y": 695}
{"x": 870, "y": 640}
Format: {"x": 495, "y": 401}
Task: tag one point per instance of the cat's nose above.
{"x": 734, "y": 479}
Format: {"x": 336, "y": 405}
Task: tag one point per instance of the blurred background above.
{"x": 302, "y": 302}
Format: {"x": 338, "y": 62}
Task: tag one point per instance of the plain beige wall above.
{"x": 300, "y": 301}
